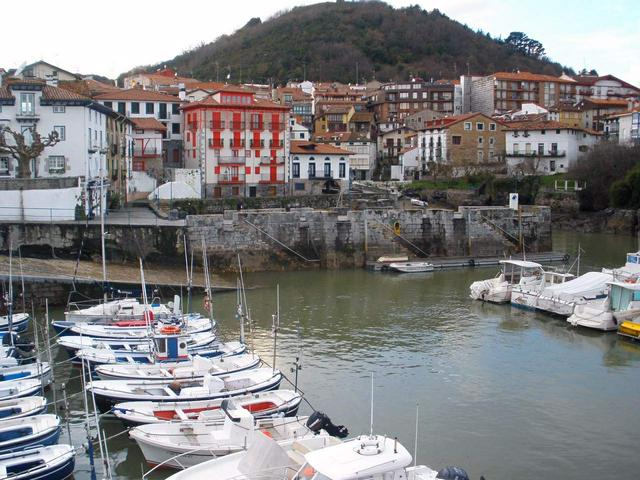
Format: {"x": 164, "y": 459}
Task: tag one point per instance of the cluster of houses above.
{"x": 216, "y": 139}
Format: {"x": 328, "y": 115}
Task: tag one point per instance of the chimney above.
{"x": 182, "y": 94}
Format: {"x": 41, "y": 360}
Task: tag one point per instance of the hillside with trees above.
{"x": 336, "y": 41}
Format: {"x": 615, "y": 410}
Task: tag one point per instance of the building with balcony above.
{"x": 363, "y": 159}
{"x": 461, "y": 144}
{"x": 318, "y": 168}
{"x": 546, "y": 147}
{"x": 45, "y": 71}
{"x": 239, "y": 142}
{"x": 596, "y": 110}
{"x": 604, "y": 87}
{"x": 301, "y": 104}
{"x": 393, "y": 102}
{"x": 623, "y": 128}
{"x": 31, "y": 105}
{"x": 334, "y": 119}
{"x": 165, "y": 80}
{"x": 137, "y": 103}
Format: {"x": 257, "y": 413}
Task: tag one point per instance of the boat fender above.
{"x": 472, "y": 262}
{"x": 319, "y": 421}
{"x": 452, "y": 473}
{"x": 396, "y": 227}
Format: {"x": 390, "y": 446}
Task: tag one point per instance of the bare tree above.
{"x": 22, "y": 149}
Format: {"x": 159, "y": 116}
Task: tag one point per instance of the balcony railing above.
{"x": 276, "y": 144}
{"x": 257, "y": 126}
{"x": 231, "y": 178}
{"x": 327, "y": 173}
{"x": 254, "y": 144}
{"x": 219, "y": 143}
{"x": 236, "y": 125}
{"x": 275, "y": 126}
{"x": 216, "y": 125}
{"x": 547, "y": 154}
{"x": 27, "y": 115}
{"x": 272, "y": 161}
{"x": 266, "y": 177}
{"x": 146, "y": 152}
{"x": 237, "y": 143}
{"x": 230, "y": 160}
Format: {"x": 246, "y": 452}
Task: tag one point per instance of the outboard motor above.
{"x": 452, "y": 473}
{"x": 319, "y": 421}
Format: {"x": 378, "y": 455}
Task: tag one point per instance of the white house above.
{"x": 363, "y": 160}
{"x": 623, "y": 128}
{"x": 45, "y": 71}
{"x": 298, "y": 131}
{"x": 408, "y": 164}
{"x": 138, "y": 103}
{"x": 317, "y": 167}
{"x": 546, "y": 147}
{"x": 81, "y": 125}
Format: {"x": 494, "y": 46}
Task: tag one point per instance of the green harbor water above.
{"x": 504, "y": 393}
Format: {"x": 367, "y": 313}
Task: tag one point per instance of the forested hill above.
{"x": 330, "y": 41}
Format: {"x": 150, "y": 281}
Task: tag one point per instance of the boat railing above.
{"x": 175, "y": 459}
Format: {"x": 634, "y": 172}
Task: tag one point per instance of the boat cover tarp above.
{"x": 588, "y": 285}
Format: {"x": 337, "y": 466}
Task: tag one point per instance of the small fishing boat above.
{"x": 198, "y": 367}
{"x": 320, "y": 457}
{"x": 8, "y": 357}
{"x": 118, "y": 309}
{"x": 621, "y": 304}
{"x": 39, "y": 370}
{"x": 55, "y": 462}
{"x": 73, "y": 343}
{"x": 186, "y": 444}
{"x": 19, "y": 322}
{"x": 411, "y": 267}
{"x": 110, "y": 392}
{"x": 512, "y": 272}
{"x": 136, "y": 329}
{"x": 168, "y": 358}
{"x": 22, "y": 407}
{"x": 20, "y": 388}
{"x": 20, "y": 433}
{"x": 261, "y": 404}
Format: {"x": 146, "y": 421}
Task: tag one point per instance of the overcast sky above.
{"x": 110, "y": 37}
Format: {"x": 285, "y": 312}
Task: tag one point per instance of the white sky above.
{"x": 110, "y": 37}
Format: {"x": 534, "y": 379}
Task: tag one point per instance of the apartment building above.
{"x": 165, "y": 80}
{"x": 318, "y": 168}
{"x": 596, "y": 110}
{"x": 604, "y": 87}
{"x": 546, "y": 147}
{"x": 462, "y": 142}
{"x": 393, "y": 102}
{"x": 239, "y": 142}
{"x": 301, "y": 104}
{"x": 623, "y": 128}
{"x": 363, "y": 149}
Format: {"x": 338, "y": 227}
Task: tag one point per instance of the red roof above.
{"x": 136, "y": 94}
{"x": 529, "y": 77}
{"x": 446, "y": 122}
{"x": 300, "y": 147}
{"x": 5, "y": 94}
{"x": 54, "y": 93}
{"x": 209, "y": 101}
{"x": 546, "y": 125}
{"x": 148, "y": 123}
{"x": 607, "y": 102}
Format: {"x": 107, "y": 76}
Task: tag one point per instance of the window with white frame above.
{"x": 492, "y": 141}
{"x": 480, "y": 140}
{"x": 479, "y": 126}
{"x": 56, "y": 164}
{"x": 62, "y": 132}
{"x": 4, "y": 166}
{"x": 467, "y": 126}
{"x": 480, "y": 155}
{"x": 27, "y": 103}
{"x": 492, "y": 127}
{"x": 58, "y": 109}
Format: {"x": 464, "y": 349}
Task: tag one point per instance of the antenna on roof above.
{"x": 371, "y": 418}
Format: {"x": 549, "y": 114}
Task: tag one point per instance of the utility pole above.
{"x": 357, "y": 76}
{"x": 217, "y": 72}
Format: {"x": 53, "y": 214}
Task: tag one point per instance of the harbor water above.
{"x": 502, "y": 392}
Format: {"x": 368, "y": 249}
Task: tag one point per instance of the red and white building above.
{"x": 239, "y": 142}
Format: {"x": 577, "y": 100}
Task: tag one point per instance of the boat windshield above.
{"x": 307, "y": 472}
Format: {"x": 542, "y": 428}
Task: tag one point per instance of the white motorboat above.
{"x": 20, "y": 388}
{"x": 512, "y": 272}
{"x": 621, "y": 304}
{"x": 198, "y": 367}
{"x": 110, "y": 392}
{"x": 265, "y": 459}
{"x": 135, "y": 330}
{"x": 22, "y": 407}
{"x": 73, "y": 343}
{"x": 411, "y": 267}
{"x": 39, "y": 370}
{"x": 118, "y": 309}
{"x": 186, "y": 444}
{"x": 261, "y": 404}
{"x": 319, "y": 458}
{"x": 55, "y": 462}
{"x": 20, "y": 433}
{"x": 167, "y": 357}
{"x": 559, "y": 292}
{"x": 19, "y": 322}
{"x": 629, "y": 272}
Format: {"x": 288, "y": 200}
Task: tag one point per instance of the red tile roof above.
{"x": 607, "y": 102}
{"x": 445, "y": 122}
{"x": 300, "y": 147}
{"x": 529, "y": 77}
{"x": 136, "y": 94}
{"x": 148, "y": 123}
{"x": 209, "y": 101}
{"x": 5, "y": 94}
{"x": 88, "y": 87}
{"x": 55, "y": 93}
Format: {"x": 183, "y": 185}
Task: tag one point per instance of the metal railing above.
{"x": 548, "y": 154}
{"x": 146, "y": 152}
{"x": 231, "y": 160}
{"x": 53, "y": 215}
{"x": 272, "y": 160}
{"x": 231, "y": 178}
{"x": 267, "y": 177}
{"x": 216, "y": 125}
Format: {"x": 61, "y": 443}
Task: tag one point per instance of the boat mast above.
{"x": 415, "y": 444}
{"x": 10, "y": 299}
{"x": 276, "y": 325}
{"x": 371, "y": 418}
{"x": 189, "y": 274}
{"x": 207, "y": 282}
{"x": 103, "y": 204}
{"x": 242, "y": 300}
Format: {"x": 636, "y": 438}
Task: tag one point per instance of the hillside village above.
{"x": 164, "y": 135}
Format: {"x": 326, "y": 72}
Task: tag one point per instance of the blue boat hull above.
{"x": 50, "y": 438}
